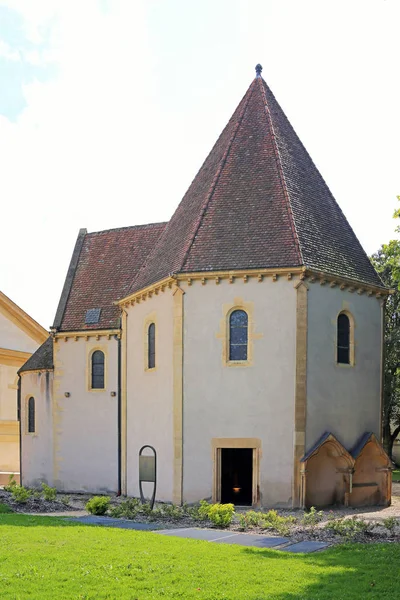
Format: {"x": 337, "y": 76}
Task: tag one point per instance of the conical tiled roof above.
{"x": 258, "y": 201}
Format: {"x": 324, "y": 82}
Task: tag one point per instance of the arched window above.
{"x": 98, "y": 370}
{"x": 238, "y": 335}
{"x": 31, "y": 415}
{"x": 343, "y": 339}
{"x": 151, "y": 346}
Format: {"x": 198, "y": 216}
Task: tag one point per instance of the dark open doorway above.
{"x": 237, "y": 476}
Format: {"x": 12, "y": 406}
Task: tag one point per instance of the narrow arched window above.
{"x": 151, "y": 346}
{"x": 98, "y": 370}
{"x": 343, "y": 339}
{"x": 31, "y": 415}
{"x": 238, "y": 335}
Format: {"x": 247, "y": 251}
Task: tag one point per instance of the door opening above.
{"x": 237, "y": 476}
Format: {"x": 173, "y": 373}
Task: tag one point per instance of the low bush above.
{"x": 221, "y": 515}
{"x": 21, "y": 494}
{"x": 390, "y": 523}
{"x": 272, "y": 521}
{"x": 49, "y": 493}
{"x": 4, "y": 509}
{"x": 11, "y": 484}
{"x": 173, "y": 511}
{"x": 350, "y": 528}
{"x": 98, "y": 505}
{"x": 312, "y": 517}
{"x": 65, "y": 500}
{"x": 128, "y": 509}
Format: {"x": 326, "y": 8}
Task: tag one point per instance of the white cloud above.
{"x": 142, "y": 90}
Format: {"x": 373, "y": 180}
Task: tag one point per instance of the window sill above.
{"x": 238, "y": 363}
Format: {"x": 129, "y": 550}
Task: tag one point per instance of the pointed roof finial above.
{"x": 258, "y": 70}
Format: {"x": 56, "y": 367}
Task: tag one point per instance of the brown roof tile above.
{"x": 107, "y": 263}
{"x": 258, "y": 201}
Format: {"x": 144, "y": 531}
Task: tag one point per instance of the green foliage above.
{"x": 350, "y": 528}
{"x": 274, "y": 522}
{"x": 387, "y": 264}
{"x": 49, "y": 493}
{"x": 65, "y": 500}
{"x": 221, "y": 515}
{"x": 98, "y": 505}
{"x": 11, "y": 484}
{"x": 269, "y": 521}
{"x": 202, "y": 510}
{"x": 4, "y": 509}
{"x": 312, "y": 517}
{"x": 390, "y": 523}
{"x": 21, "y": 494}
{"x": 50, "y": 558}
{"x": 128, "y": 509}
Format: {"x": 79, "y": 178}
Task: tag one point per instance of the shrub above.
{"x": 98, "y": 505}
{"x": 172, "y": 511}
{"x": 390, "y": 523}
{"x": 11, "y": 484}
{"x": 4, "y": 509}
{"x": 312, "y": 517}
{"x": 21, "y": 494}
{"x": 65, "y": 500}
{"x": 203, "y": 509}
{"x": 221, "y": 514}
{"x": 128, "y": 509}
{"x": 49, "y": 493}
{"x": 350, "y": 528}
{"x": 272, "y": 521}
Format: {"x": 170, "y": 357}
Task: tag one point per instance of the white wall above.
{"x": 149, "y": 393}
{"x": 342, "y": 399}
{"x": 13, "y": 338}
{"x": 8, "y": 393}
{"x": 86, "y": 426}
{"x": 37, "y": 448}
{"x": 256, "y": 401}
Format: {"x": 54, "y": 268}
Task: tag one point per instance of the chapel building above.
{"x": 242, "y": 340}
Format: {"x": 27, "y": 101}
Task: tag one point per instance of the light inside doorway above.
{"x": 237, "y": 476}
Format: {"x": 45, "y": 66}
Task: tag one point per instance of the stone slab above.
{"x": 226, "y": 537}
{"x": 254, "y": 541}
{"x": 110, "y": 522}
{"x": 306, "y": 547}
{"x": 208, "y": 535}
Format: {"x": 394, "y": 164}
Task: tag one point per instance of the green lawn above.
{"x": 43, "y": 557}
{"x": 396, "y": 475}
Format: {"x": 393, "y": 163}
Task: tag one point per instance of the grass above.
{"x": 396, "y": 475}
{"x": 45, "y": 557}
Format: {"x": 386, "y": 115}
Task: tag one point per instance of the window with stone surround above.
{"x": 238, "y": 335}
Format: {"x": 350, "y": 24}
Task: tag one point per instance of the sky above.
{"x": 109, "y": 107}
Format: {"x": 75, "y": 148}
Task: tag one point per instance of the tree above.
{"x": 387, "y": 263}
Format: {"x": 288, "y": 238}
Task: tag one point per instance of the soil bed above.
{"x": 371, "y": 524}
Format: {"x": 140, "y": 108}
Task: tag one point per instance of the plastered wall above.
{"x": 150, "y": 392}
{"x": 85, "y": 451}
{"x": 8, "y": 393}
{"x": 37, "y": 448}
{"x": 13, "y": 338}
{"x": 340, "y": 398}
{"x": 255, "y": 401}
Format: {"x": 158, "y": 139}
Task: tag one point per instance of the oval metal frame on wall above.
{"x": 147, "y": 473}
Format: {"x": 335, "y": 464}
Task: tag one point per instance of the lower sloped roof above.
{"x": 41, "y": 359}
